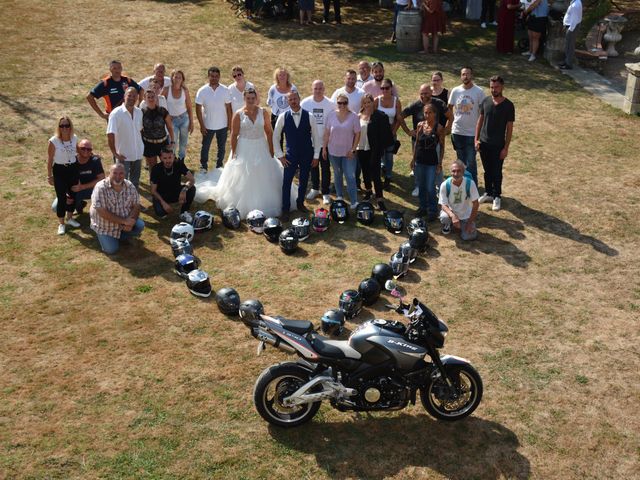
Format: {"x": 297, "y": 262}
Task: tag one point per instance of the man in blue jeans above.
{"x": 465, "y": 101}
{"x": 213, "y": 109}
{"x": 115, "y": 206}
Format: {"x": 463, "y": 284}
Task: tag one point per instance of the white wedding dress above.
{"x": 251, "y": 178}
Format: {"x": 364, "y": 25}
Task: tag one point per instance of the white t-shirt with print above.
{"x": 318, "y": 111}
{"x": 466, "y": 109}
{"x": 457, "y": 199}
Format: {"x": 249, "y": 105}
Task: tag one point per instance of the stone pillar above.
{"x": 554, "y": 45}
{"x": 632, "y": 95}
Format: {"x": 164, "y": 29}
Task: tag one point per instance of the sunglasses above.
{"x": 385, "y": 88}
{"x": 86, "y": 149}
{"x": 65, "y": 125}
{"x": 343, "y": 103}
{"x": 236, "y": 75}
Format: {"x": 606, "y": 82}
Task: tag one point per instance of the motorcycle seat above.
{"x": 334, "y": 348}
{"x": 301, "y": 327}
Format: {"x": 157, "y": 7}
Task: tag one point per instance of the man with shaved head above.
{"x": 159, "y": 76}
{"x": 112, "y": 89}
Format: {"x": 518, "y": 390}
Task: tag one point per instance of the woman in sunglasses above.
{"x": 237, "y": 88}
{"x": 61, "y": 156}
{"x": 390, "y": 104}
{"x": 341, "y": 138}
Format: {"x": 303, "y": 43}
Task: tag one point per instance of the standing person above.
{"x": 399, "y": 6}
{"x": 506, "y": 25}
{"x": 112, "y": 89}
{"x": 156, "y": 122}
{"x": 373, "y": 87}
{"x": 465, "y": 102}
{"x": 61, "y": 157}
{"x": 181, "y": 111}
{"x": 375, "y": 138}
{"x": 306, "y": 10}
{"x": 154, "y": 86}
{"x": 213, "y": 109}
{"x": 159, "y": 76}
{"x": 536, "y": 15}
{"x": 437, "y": 87}
{"x": 336, "y": 11}
{"x": 427, "y": 160}
{"x": 89, "y": 172}
{"x": 124, "y": 136}
{"x": 488, "y": 12}
{"x": 390, "y": 105}
{"x": 319, "y": 107}
{"x": 167, "y": 186}
{"x": 353, "y": 93}
{"x": 434, "y": 22}
{"x": 493, "y": 137}
{"x": 341, "y": 138}
{"x": 571, "y": 23}
{"x": 115, "y": 208}
{"x": 459, "y": 203}
{"x": 302, "y": 152}
{"x": 364, "y": 74}
{"x": 278, "y": 93}
{"x": 237, "y": 88}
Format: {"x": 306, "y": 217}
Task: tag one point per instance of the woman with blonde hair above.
{"x": 181, "y": 112}
{"x": 277, "y": 96}
{"x": 61, "y": 156}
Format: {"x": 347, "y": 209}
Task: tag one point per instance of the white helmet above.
{"x": 255, "y": 220}
{"x": 202, "y": 220}
{"x": 182, "y": 230}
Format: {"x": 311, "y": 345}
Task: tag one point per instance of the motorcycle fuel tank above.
{"x": 377, "y": 345}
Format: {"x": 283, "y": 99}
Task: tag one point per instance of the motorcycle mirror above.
{"x": 389, "y": 285}
{"x": 416, "y": 302}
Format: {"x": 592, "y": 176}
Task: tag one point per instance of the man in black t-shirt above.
{"x": 493, "y": 136}
{"x": 167, "y": 186}
{"x": 112, "y": 89}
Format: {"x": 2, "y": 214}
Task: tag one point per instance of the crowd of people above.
{"x": 350, "y": 136}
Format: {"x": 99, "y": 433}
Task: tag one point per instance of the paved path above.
{"x": 597, "y": 85}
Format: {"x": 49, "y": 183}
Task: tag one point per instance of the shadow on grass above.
{"x": 33, "y": 115}
{"x": 374, "y": 447}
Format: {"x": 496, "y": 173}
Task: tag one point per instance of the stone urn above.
{"x": 615, "y": 24}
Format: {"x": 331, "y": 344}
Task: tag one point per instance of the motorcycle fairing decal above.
{"x": 298, "y": 342}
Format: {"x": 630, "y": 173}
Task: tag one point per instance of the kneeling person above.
{"x": 115, "y": 207}
{"x": 459, "y": 202}
{"x": 167, "y": 186}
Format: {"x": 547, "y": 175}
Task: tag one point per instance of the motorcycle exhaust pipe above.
{"x": 272, "y": 340}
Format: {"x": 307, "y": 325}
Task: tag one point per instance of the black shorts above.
{"x": 153, "y": 149}
{"x": 537, "y": 24}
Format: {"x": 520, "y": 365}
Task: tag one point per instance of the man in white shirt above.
{"x": 465, "y": 100}
{"x": 159, "y": 75}
{"x": 124, "y": 135}
{"x": 353, "y": 93}
{"x": 213, "y": 109}
{"x": 364, "y": 73}
{"x": 459, "y": 203}
{"x": 319, "y": 107}
{"x": 571, "y": 23}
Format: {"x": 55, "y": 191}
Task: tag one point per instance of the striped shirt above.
{"x": 118, "y": 203}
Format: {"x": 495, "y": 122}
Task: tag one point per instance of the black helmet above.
{"x": 181, "y": 245}
{"x": 231, "y": 217}
{"x": 399, "y": 264}
{"x": 184, "y": 264}
{"x": 302, "y": 227}
{"x": 350, "y": 303}
{"x": 332, "y": 322}
{"x": 407, "y": 250}
{"x": 256, "y": 219}
{"x": 288, "y": 241}
{"x": 272, "y": 228}
{"x": 415, "y": 224}
{"x": 198, "y": 283}
{"x": 202, "y": 220}
{"x": 369, "y": 291}
{"x": 182, "y": 230}
{"x": 250, "y": 310}
{"x": 394, "y": 221}
{"x": 419, "y": 239}
{"x": 228, "y": 301}
{"x": 365, "y": 213}
{"x": 339, "y": 211}
{"x": 320, "y": 220}
{"x": 381, "y": 272}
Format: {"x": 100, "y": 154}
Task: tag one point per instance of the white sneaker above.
{"x": 532, "y": 58}
{"x": 525, "y": 54}
{"x": 339, "y": 198}
{"x": 412, "y": 173}
{"x": 415, "y": 192}
{"x": 354, "y": 206}
{"x": 485, "y": 198}
{"x": 326, "y": 199}
{"x": 494, "y": 23}
{"x": 61, "y": 229}
{"x": 496, "y": 204}
{"x": 73, "y": 222}
{"x": 483, "y": 25}
{"x": 312, "y": 194}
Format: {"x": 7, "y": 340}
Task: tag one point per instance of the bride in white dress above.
{"x": 252, "y": 178}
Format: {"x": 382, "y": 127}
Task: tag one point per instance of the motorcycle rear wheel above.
{"x": 275, "y": 384}
{"x": 444, "y": 404}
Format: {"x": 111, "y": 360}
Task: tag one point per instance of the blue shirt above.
{"x": 542, "y": 10}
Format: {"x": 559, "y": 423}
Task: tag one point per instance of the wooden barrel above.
{"x": 408, "y": 34}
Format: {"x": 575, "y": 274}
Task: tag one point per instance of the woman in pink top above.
{"x": 341, "y": 137}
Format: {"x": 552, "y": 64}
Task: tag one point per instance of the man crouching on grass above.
{"x": 167, "y": 186}
{"x": 115, "y": 206}
{"x": 459, "y": 202}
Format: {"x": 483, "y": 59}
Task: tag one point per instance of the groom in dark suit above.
{"x": 302, "y": 151}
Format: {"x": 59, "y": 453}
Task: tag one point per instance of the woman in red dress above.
{"x": 506, "y": 25}
{"x": 434, "y": 21}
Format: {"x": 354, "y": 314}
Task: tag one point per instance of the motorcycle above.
{"x": 380, "y": 367}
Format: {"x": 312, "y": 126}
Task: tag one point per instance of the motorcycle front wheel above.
{"x": 274, "y": 385}
{"x": 456, "y": 402}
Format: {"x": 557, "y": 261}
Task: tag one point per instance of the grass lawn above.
{"x": 109, "y": 368}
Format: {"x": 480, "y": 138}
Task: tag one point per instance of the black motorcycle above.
{"x": 381, "y": 367}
